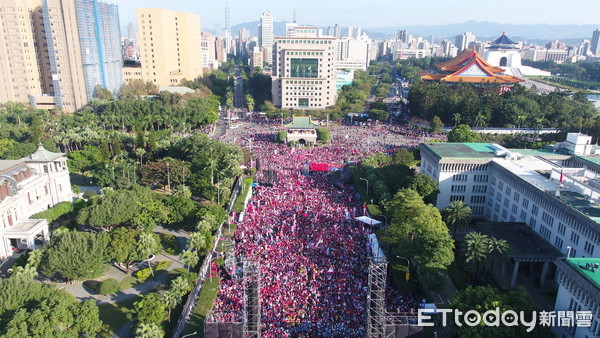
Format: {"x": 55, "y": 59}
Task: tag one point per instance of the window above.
{"x": 477, "y": 210}
{"x": 480, "y": 188}
{"x": 574, "y": 237}
{"x": 459, "y": 178}
{"x": 561, "y": 228}
{"x": 545, "y": 232}
{"x": 534, "y": 209}
{"x": 516, "y": 197}
{"x": 458, "y": 188}
{"x": 500, "y": 185}
{"x": 481, "y": 178}
{"x": 457, "y": 198}
{"x": 478, "y": 199}
{"x": 532, "y": 222}
{"x": 525, "y": 203}
{"x": 508, "y": 190}
{"x": 523, "y": 216}
{"x": 558, "y": 242}
{"x": 514, "y": 209}
{"x": 504, "y": 213}
{"x": 588, "y": 248}
{"x": 546, "y": 218}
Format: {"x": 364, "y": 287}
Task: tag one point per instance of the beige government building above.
{"x": 304, "y": 74}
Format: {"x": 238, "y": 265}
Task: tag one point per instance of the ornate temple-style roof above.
{"x": 469, "y": 67}
{"x": 503, "y": 40}
{"x": 301, "y": 123}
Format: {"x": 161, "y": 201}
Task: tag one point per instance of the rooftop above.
{"x": 42, "y": 155}
{"x": 177, "y": 89}
{"x": 581, "y": 266}
{"x": 523, "y": 241}
{"x": 301, "y": 123}
{"x": 462, "y": 150}
{"x": 8, "y": 164}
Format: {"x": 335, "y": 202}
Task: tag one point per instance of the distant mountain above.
{"x": 538, "y": 33}
{"x": 492, "y": 29}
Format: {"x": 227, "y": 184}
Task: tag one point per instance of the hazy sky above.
{"x": 379, "y": 13}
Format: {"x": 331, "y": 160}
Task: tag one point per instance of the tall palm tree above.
{"x": 148, "y": 331}
{"x": 171, "y": 299}
{"x": 189, "y": 258}
{"x": 456, "y": 118}
{"x": 197, "y": 241}
{"x": 457, "y": 215}
{"x": 477, "y": 247}
{"x": 147, "y": 245}
{"x": 497, "y": 248}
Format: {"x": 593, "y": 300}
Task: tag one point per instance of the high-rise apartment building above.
{"x": 58, "y": 51}
{"x": 170, "y": 45}
{"x": 18, "y": 61}
{"x": 464, "y": 40}
{"x": 60, "y": 55}
{"x": 265, "y": 30}
{"x": 401, "y": 35}
{"x": 596, "y": 42}
{"x": 265, "y": 35}
{"x": 100, "y": 40}
{"x": 304, "y": 70}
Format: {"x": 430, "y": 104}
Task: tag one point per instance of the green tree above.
{"x": 436, "y": 125}
{"x": 76, "y": 255}
{"x": 102, "y": 93}
{"x": 189, "y": 258}
{"x": 148, "y": 331}
{"x": 123, "y": 246}
{"x": 404, "y": 157}
{"x": 6, "y": 144}
{"x": 417, "y": 231}
{"x": 456, "y": 215}
{"x": 32, "y": 309}
{"x": 485, "y": 298}
{"x": 463, "y": 133}
{"x": 281, "y": 136}
{"x": 151, "y": 309}
{"x": 476, "y": 247}
{"x": 171, "y": 299}
{"x": 250, "y": 102}
{"x": 323, "y": 135}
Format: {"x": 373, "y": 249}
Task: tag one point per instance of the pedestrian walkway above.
{"x": 82, "y": 293}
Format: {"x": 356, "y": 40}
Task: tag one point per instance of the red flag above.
{"x": 561, "y": 176}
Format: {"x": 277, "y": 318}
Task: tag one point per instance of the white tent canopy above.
{"x": 367, "y": 220}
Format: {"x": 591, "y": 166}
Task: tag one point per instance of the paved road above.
{"x": 239, "y": 100}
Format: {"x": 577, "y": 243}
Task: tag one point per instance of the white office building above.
{"x": 28, "y": 186}
{"x": 555, "y": 192}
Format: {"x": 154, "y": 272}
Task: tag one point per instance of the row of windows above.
{"x": 303, "y": 53}
{"x": 314, "y": 42}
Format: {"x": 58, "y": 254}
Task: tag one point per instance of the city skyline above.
{"x": 376, "y": 13}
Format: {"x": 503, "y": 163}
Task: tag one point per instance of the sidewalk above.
{"x": 82, "y": 293}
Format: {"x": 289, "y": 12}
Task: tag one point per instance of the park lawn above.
{"x": 114, "y": 315}
{"x": 238, "y": 205}
{"x": 206, "y": 301}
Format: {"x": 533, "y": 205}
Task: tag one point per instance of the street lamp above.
{"x": 190, "y": 334}
{"x": 364, "y": 179}
{"x": 568, "y": 252}
{"x": 407, "y": 277}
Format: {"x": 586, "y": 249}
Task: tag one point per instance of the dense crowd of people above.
{"x": 313, "y": 256}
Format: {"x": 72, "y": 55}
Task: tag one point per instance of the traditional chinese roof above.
{"x": 469, "y": 67}
{"x": 503, "y": 40}
{"x": 301, "y": 123}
